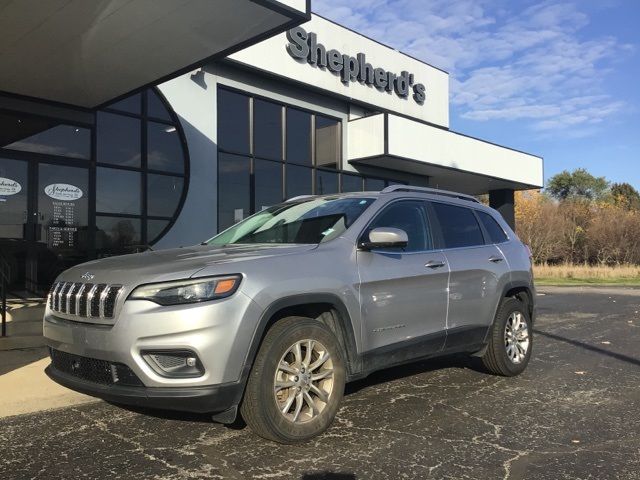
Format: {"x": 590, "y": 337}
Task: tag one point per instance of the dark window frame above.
{"x": 144, "y": 170}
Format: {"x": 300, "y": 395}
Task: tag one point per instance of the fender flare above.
{"x": 347, "y": 336}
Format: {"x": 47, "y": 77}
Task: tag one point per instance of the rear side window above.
{"x": 458, "y": 225}
{"x": 493, "y": 228}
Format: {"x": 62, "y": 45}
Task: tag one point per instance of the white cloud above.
{"x": 506, "y": 62}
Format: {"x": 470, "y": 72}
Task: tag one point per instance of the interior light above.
{"x": 170, "y": 129}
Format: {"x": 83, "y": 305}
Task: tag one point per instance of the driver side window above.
{"x": 409, "y": 216}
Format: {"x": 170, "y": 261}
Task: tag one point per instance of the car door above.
{"x": 478, "y": 272}
{"x": 403, "y": 291}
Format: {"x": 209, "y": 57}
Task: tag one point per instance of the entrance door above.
{"x": 61, "y": 228}
{"x": 44, "y": 213}
{"x": 14, "y": 206}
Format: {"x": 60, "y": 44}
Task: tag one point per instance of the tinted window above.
{"x": 326, "y": 182}
{"x": 268, "y": 183}
{"x": 39, "y": 135}
{"x": 114, "y": 235}
{"x": 118, "y": 140}
{"x": 155, "y": 228}
{"x": 163, "y": 195}
{"x": 495, "y": 231}
{"x": 458, "y": 225}
{"x": 351, "y": 183}
{"x": 298, "y": 181}
{"x": 130, "y": 104}
{"x": 233, "y": 121}
{"x": 267, "y": 130}
{"x": 164, "y": 148}
{"x": 118, "y": 191}
{"x": 327, "y": 142}
{"x": 373, "y": 184}
{"x": 407, "y": 216}
{"x": 155, "y": 107}
{"x": 233, "y": 189}
{"x": 298, "y": 137}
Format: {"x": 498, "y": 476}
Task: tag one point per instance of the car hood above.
{"x": 173, "y": 264}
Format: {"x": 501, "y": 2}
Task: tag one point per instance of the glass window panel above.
{"x": 118, "y": 140}
{"x": 30, "y": 134}
{"x": 409, "y": 217}
{"x": 154, "y": 229}
{"x": 328, "y": 151}
{"x": 458, "y": 225}
{"x": 234, "y": 180}
{"x": 495, "y": 231}
{"x": 233, "y": 121}
{"x": 267, "y": 130}
{"x": 63, "y": 209}
{"x": 298, "y": 181}
{"x": 373, "y": 184}
{"x": 118, "y": 191}
{"x": 326, "y": 182}
{"x": 164, "y": 149}
{"x": 115, "y": 235}
{"x": 298, "y": 137}
{"x": 351, "y": 183}
{"x": 156, "y": 107}
{"x": 163, "y": 195}
{"x": 13, "y": 201}
{"x": 268, "y": 184}
{"x": 130, "y": 104}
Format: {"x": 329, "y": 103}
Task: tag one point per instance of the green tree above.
{"x": 578, "y": 184}
{"x": 625, "y": 196}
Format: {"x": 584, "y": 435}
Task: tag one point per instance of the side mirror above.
{"x": 385, "y": 237}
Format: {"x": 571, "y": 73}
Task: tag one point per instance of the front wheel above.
{"x": 296, "y": 383}
{"x": 510, "y": 343}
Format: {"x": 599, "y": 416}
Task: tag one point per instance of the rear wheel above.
{"x": 296, "y": 383}
{"x": 509, "y": 349}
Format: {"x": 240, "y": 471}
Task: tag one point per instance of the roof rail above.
{"x": 432, "y": 191}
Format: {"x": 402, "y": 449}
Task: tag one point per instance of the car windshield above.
{"x": 314, "y": 220}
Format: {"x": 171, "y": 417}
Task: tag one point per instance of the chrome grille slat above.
{"x": 85, "y": 300}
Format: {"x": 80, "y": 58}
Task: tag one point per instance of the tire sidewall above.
{"x": 301, "y": 330}
{"x": 509, "y": 307}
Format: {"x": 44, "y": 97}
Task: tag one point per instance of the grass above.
{"x": 567, "y": 274}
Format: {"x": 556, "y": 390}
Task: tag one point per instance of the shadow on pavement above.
{"x": 591, "y": 348}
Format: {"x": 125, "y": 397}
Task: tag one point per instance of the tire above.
{"x": 504, "y": 355}
{"x": 262, "y": 408}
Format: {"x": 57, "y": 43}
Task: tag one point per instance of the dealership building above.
{"x": 126, "y": 126}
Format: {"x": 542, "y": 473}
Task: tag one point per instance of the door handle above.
{"x": 495, "y": 259}
{"x": 435, "y": 264}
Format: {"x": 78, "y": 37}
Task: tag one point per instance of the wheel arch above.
{"x": 326, "y": 308}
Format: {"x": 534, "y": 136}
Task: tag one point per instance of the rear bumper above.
{"x": 200, "y": 399}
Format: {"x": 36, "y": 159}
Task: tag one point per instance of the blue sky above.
{"x": 554, "y": 78}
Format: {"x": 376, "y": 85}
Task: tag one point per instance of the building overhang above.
{"x": 451, "y": 160}
{"x": 88, "y": 52}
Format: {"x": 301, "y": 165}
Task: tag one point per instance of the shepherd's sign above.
{"x": 305, "y": 46}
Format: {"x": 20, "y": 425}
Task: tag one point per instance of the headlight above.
{"x": 188, "y": 291}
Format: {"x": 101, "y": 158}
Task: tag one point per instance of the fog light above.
{"x": 174, "y": 363}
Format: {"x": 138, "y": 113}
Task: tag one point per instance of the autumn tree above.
{"x": 625, "y": 196}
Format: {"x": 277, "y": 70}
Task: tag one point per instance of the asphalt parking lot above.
{"x": 575, "y": 413}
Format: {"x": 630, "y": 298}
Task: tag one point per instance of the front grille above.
{"x": 84, "y": 299}
{"x": 93, "y": 370}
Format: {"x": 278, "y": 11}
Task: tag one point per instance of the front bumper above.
{"x": 207, "y": 399}
{"x": 217, "y": 332}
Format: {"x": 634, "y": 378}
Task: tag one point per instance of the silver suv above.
{"x": 272, "y": 316}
